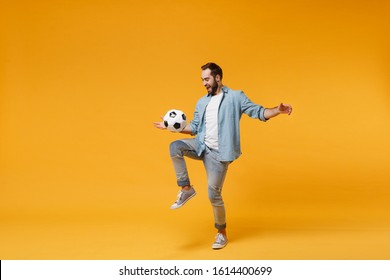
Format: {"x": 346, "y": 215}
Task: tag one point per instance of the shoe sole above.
{"x": 184, "y": 202}
{"x": 218, "y": 248}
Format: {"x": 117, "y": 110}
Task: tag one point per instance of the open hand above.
{"x": 159, "y": 125}
{"x": 284, "y": 108}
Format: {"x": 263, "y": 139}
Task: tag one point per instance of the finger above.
{"x": 286, "y": 105}
{"x": 159, "y": 125}
{"x": 289, "y": 109}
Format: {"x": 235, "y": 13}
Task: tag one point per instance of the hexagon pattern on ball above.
{"x": 175, "y": 120}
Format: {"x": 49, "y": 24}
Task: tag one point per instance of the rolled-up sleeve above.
{"x": 251, "y": 109}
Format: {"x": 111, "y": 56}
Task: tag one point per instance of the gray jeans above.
{"x": 215, "y": 169}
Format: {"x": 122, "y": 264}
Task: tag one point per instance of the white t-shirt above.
{"x": 211, "y": 122}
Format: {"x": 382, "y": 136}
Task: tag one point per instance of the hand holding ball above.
{"x": 175, "y": 120}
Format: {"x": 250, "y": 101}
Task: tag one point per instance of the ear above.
{"x": 218, "y": 78}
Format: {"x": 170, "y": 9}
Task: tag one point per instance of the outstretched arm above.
{"x": 281, "y": 109}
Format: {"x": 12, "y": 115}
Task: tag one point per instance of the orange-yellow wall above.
{"x": 81, "y": 83}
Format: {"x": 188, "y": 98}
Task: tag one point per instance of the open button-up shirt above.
{"x": 234, "y": 103}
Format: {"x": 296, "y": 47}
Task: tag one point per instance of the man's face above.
{"x": 209, "y": 82}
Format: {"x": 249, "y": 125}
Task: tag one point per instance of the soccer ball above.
{"x": 175, "y": 120}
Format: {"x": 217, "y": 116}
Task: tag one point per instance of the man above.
{"x": 216, "y": 124}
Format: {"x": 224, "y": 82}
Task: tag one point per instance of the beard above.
{"x": 214, "y": 89}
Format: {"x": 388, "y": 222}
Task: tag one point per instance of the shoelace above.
{"x": 220, "y": 238}
{"x": 179, "y": 196}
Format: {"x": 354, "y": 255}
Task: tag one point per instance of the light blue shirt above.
{"x": 234, "y": 103}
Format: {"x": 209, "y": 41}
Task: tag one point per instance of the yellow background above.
{"x": 85, "y": 175}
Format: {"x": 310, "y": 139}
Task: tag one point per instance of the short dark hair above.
{"x": 214, "y": 69}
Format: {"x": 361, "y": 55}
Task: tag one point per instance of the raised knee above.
{"x": 174, "y": 148}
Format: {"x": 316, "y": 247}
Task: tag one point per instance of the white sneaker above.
{"x": 183, "y": 197}
{"x": 220, "y": 241}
